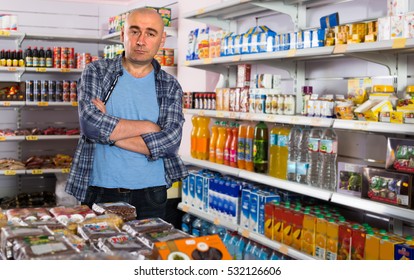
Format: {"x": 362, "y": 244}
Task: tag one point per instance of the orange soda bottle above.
{"x": 241, "y": 144}
{"x": 213, "y": 141}
{"x": 194, "y": 132}
{"x": 203, "y": 138}
{"x": 229, "y": 139}
{"x": 234, "y": 146}
{"x": 248, "y": 151}
{"x": 221, "y": 142}
{"x": 273, "y": 150}
{"x": 282, "y": 142}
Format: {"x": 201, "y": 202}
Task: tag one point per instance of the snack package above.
{"x": 3, "y": 219}
{"x": 94, "y": 231}
{"x": 139, "y": 227}
{"x": 162, "y": 236}
{"x": 125, "y": 210}
{"x": 76, "y": 214}
{"x": 126, "y": 243}
{"x": 400, "y": 155}
{"x": 350, "y": 178}
{"x": 23, "y": 216}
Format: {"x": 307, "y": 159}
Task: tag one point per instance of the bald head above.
{"x": 149, "y": 12}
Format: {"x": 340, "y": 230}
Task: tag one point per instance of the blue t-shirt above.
{"x": 113, "y": 167}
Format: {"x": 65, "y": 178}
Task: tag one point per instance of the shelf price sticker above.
{"x": 186, "y": 208}
{"x": 65, "y": 170}
{"x": 74, "y": 104}
{"x": 220, "y": 114}
{"x": 40, "y": 69}
{"x": 42, "y": 104}
{"x": 216, "y": 221}
{"x": 291, "y": 53}
{"x": 65, "y": 70}
{"x": 232, "y": 115}
{"x": 6, "y": 104}
{"x": 186, "y": 63}
{"x": 236, "y": 58}
{"x": 10, "y": 172}
{"x": 200, "y": 11}
{"x": 361, "y": 125}
{"x": 207, "y": 60}
{"x": 399, "y": 43}
{"x": 32, "y": 138}
{"x": 12, "y": 69}
{"x": 246, "y": 233}
{"x": 284, "y": 249}
{"x": 37, "y": 171}
{"x": 2, "y": 138}
{"x": 340, "y": 48}
{"x": 4, "y": 33}
{"x": 201, "y": 113}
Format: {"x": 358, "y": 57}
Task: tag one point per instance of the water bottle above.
{"x": 302, "y": 163}
{"x": 313, "y": 155}
{"x": 328, "y": 154}
{"x": 196, "y": 227}
{"x": 186, "y": 223}
{"x": 293, "y": 152}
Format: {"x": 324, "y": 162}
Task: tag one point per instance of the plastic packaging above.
{"x": 313, "y": 156}
{"x": 260, "y": 150}
{"x": 328, "y": 154}
{"x": 293, "y": 152}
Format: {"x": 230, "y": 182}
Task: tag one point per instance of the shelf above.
{"x": 374, "y": 207}
{"x": 12, "y": 35}
{"x": 248, "y": 234}
{"x": 12, "y": 103}
{"x": 12, "y": 172}
{"x": 212, "y": 166}
{"x": 47, "y": 104}
{"x": 67, "y": 38}
{"x": 52, "y": 70}
{"x": 12, "y": 138}
{"x": 34, "y": 171}
{"x": 115, "y": 37}
{"x": 383, "y": 127}
{"x": 50, "y": 137}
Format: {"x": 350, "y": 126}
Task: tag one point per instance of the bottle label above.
{"x": 260, "y": 151}
{"x": 329, "y": 146}
{"x": 241, "y": 144}
{"x": 233, "y": 156}
{"x": 313, "y": 144}
{"x": 273, "y": 139}
{"x": 282, "y": 140}
{"x": 226, "y": 155}
{"x": 249, "y": 150}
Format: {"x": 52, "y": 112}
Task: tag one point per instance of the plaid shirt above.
{"x": 98, "y": 81}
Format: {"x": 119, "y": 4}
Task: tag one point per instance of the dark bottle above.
{"x": 20, "y": 58}
{"x": 35, "y": 57}
{"x": 15, "y": 61}
{"x": 42, "y": 58}
{"x": 49, "y": 58}
{"x": 2, "y": 58}
{"x": 8, "y": 58}
{"x": 28, "y": 57}
{"x": 260, "y": 148}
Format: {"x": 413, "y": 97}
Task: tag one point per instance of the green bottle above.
{"x": 260, "y": 148}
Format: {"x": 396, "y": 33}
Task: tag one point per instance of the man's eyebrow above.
{"x": 148, "y": 29}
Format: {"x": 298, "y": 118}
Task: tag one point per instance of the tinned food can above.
{"x": 56, "y": 57}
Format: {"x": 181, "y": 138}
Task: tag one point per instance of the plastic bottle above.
{"x": 313, "y": 156}
{"x": 203, "y": 138}
{"x": 229, "y": 139}
{"x": 234, "y": 146}
{"x": 273, "y": 150}
{"x": 241, "y": 144}
{"x": 282, "y": 142}
{"x": 35, "y": 57}
{"x": 221, "y": 142}
{"x": 293, "y": 152}
{"x": 15, "y": 60}
{"x": 2, "y": 58}
{"x": 42, "y": 57}
{"x": 8, "y": 58}
{"x": 28, "y": 57}
{"x": 194, "y": 132}
{"x": 49, "y": 58}
{"x": 186, "y": 221}
{"x": 196, "y": 227}
{"x": 328, "y": 153}
{"x": 260, "y": 148}
{"x": 213, "y": 142}
{"x": 248, "y": 151}
{"x": 302, "y": 163}
{"x": 20, "y": 58}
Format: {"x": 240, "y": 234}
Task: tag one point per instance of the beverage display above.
{"x": 35, "y": 57}
{"x": 28, "y": 56}
{"x": 274, "y": 150}
{"x": 302, "y": 163}
{"x": 229, "y": 139}
{"x": 313, "y": 156}
{"x": 213, "y": 142}
{"x": 234, "y": 146}
{"x": 295, "y": 135}
{"x": 328, "y": 155}
{"x": 42, "y": 57}
{"x": 248, "y": 151}
{"x": 49, "y": 58}
{"x": 203, "y": 138}
{"x": 241, "y": 145}
{"x": 282, "y": 159}
{"x": 221, "y": 142}
{"x": 260, "y": 148}
{"x": 194, "y": 132}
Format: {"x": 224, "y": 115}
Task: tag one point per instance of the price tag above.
{"x": 42, "y": 104}
{"x": 42, "y": 69}
{"x": 246, "y": 233}
{"x": 236, "y": 58}
{"x": 186, "y": 63}
{"x": 6, "y": 104}
{"x": 360, "y": 125}
{"x": 315, "y": 122}
{"x": 216, "y": 221}
{"x": 270, "y": 118}
{"x": 75, "y": 104}
{"x": 4, "y": 33}
{"x": 2, "y": 138}
{"x": 186, "y": 208}
{"x": 340, "y": 49}
{"x": 37, "y": 171}
{"x": 291, "y": 53}
{"x": 207, "y": 60}
{"x": 232, "y": 115}
{"x": 32, "y": 138}
{"x": 12, "y": 69}
{"x": 10, "y": 172}
{"x": 201, "y": 113}
{"x": 294, "y": 120}
{"x": 200, "y": 11}
{"x": 284, "y": 249}
{"x": 65, "y": 170}
{"x": 65, "y": 70}
{"x": 220, "y": 114}
{"x": 399, "y": 43}
{"x": 248, "y": 116}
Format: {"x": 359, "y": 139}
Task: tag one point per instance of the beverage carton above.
{"x": 308, "y": 231}
{"x": 332, "y": 235}
{"x": 320, "y": 237}
{"x": 358, "y": 242}
{"x": 372, "y": 245}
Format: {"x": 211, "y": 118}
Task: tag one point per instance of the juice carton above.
{"x": 387, "y": 247}
{"x": 308, "y": 231}
{"x": 332, "y": 230}
{"x": 191, "y": 187}
{"x": 245, "y": 208}
{"x": 405, "y": 251}
{"x": 264, "y": 198}
{"x": 297, "y": 225}
{"x": 287, "y": 221}
{"x": 184, "y": 190}
{"x": 278, "y": 222}
{"x": 358, "y": 242}
{"x": 320, "y": 237}
{"x": 344, "y": 240}
{"x": 372, "y": 245}
{"x": 269, "y": 221}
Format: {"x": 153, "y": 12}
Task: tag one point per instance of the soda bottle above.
{"x": 194, "y": 132}
{"x": 248, "y": 151}
{"x": 28, "y": 57}
{"x": 186, "y": 221}
{"x": 8, "y": 58}
{"x": 293, "y": 152}
{"x": 234, "y": 146}
{"x": 49, "y": 58}
{"x": 328, "y": 153}
{"x": 2, "y": 58}
{"x": 229, "y": 139}
{"x": 241, "y": 144}
{"x": 260, "y": 148}
{"x": 274, "y": 150}
{"x": 42, "y": 58}
{"x": 213, "y": 141}
{"x": 35, "y": 57}
{"x": 15, "y": 61}
{"x": 203, "y": 138}
{"x": 282, "y": 142}
{"x": 221, "y": 142}
{"x": 313, "y": 156}
{"x": 20, "y": 58}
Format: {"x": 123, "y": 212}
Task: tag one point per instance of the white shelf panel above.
{"x": 382, "y": 127}
{"x": 205, "y": 216}
{"x": 51, "y": 137}
{"x": 11, "y": 138}
{"x": 46, "y": 104}
{"x": 276, "y": 246}
{"x": 12, "y": 172}
{"x": 47, "y": 171}
{"x": 286, "y": 185}
{"x": 52, "y": 70}
{"x": 374, "y": 207}
{"x": 211, "y": 165}
{"x": 12, "y": 103}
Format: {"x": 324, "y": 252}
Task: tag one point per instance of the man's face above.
{"x": 143, "y": 35}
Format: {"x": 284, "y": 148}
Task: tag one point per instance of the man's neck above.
{"x": 137, "y": 70}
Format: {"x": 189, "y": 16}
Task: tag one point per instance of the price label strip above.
{"x": 42, "y": 104}
{"x": 341, "y": 48}
{"x": 37, "y": 171}
{"x": 6, "y": 104}
{"x": 65, "y": 170}
{"x": 41, "y": 69}
{"x": 65, "y": 70}
{"x": 216, "y": 221}
{"x": 10, "y": 172}
{"x": 399, "y": 43}
{"x": 32, "y": 138}
{"x": 291, "y": 53}
{"x": 2, "y": 138}
{"x": 186, "y": 208}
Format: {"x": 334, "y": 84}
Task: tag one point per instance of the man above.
{"x": 131, "y": 119}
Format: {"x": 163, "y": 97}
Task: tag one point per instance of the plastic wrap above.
{"x": 126, "y": 243}
{"x": 162, "y": 236}
{"x": 76, "y": 214}
{"x": 125, "y": 210}
{"x": 139, "y": 227}
{"x": 23, "y": 216}
{"x": 93, "y": 232}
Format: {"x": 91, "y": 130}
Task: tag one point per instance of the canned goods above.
{"x": 59, "y": 91}
{"x": 71, "y": 58}
{"x": 52, "y": 91}
{"x": 64, "y": 57}
{"x": 44, "y": 90}
{"x": 37, "y": 94}
{"x": 29, "y": 91}
{"x": 56, "y": 57}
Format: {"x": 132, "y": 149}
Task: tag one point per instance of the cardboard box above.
{"x": 200, "y": 248}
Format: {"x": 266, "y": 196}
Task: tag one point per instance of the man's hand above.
{"x": 99, "y": 104}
